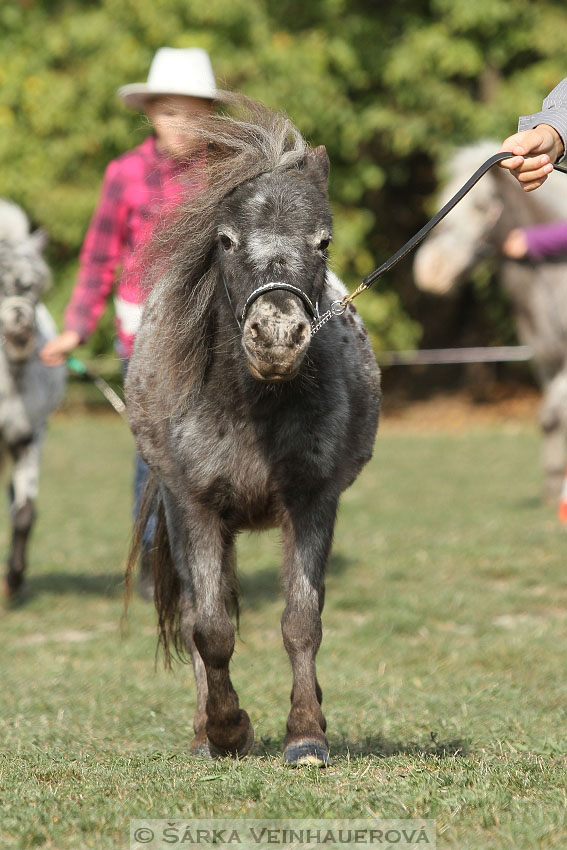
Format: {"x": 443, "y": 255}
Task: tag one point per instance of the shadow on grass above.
{"x": 257, "y": 588}
{"x": 59, "y": 583}
{"x": 265, "y": 585}
{"x": 530, "y": 503}
{"x": 380, "y": 747}
{"x": 377, "y": 745}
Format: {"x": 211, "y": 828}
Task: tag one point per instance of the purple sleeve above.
{"x": 545, "y": 240}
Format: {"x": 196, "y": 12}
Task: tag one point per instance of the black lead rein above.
{"x": 338, "y": 307}
{"x": 421, "y": 234}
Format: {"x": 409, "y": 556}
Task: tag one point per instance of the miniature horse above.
{"x": 29, "y": 390}
{"x": 246, "y": 419}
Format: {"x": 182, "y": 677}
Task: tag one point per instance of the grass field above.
{"x": 443, "y": 663}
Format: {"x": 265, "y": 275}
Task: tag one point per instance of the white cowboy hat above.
{"x": 174, "y": 71}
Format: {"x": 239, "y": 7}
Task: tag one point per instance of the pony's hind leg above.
{"x": 553, "y": 421}
{"x": 176, "y": 549}
{"x": 199, "y": 745}
{"x": 307, "y": 541}
{"x": 23, "y": 493}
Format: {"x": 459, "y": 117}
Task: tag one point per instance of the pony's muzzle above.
{"x": 275, "y": 342}
{"x": 17, "y": 322}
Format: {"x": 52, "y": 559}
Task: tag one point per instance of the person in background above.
{"x": 137, "y": 187}
{"x": 541, "y": 141}
{"x": 536, "y": 243}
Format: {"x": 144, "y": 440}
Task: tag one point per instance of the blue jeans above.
{"x": 141, "y": 476}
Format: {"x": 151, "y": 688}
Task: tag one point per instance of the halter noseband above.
{"x": 312, "y": 309}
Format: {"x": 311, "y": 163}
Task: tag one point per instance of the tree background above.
{"x": 389, "y": 88}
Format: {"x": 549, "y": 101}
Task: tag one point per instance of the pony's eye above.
{"x": 324, "y": 244}
{"x": 225, "y": 241}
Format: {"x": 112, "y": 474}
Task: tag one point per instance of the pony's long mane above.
{"x": 180, "y": 261}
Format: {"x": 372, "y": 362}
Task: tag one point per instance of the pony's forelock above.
{"x": 179, "y": 263}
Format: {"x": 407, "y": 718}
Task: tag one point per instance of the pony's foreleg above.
{"x": 553, "y": 421}
{"x": 200, "y": 743}
{"x": 228, "y": 727}
{"x": 23, "y": 494}
{"x": 307, "y": 538}
{"x": 209, "y": 633}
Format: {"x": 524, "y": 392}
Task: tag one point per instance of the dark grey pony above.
{"x": 253, "y": 426}
{"x": 475, "y": 230}
{"x": 29, "y": 391}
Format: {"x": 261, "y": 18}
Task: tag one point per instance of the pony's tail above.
{"x": 166, "y": 581}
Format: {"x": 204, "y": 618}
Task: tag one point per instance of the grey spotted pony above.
{"x": 246, "y": 419}
{"x": 29, "y": 391}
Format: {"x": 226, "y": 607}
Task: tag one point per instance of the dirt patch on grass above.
{"x": 458, "y": 411}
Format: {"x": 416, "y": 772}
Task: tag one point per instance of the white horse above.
{"x": 475, "y": 230}
{"x": 29, "y": 391}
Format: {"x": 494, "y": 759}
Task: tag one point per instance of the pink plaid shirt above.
{"x": 136, "y": 187}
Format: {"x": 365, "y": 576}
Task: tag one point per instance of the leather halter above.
{"x": 274, "y": 285}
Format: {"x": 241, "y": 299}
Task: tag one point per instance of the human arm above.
{"x": 55, "y": 350}
{"x": 515, "y": 246}
{"x": 537, "y": 242}
{"x": 540, "y": 142}
{"x": 100, "y": 256}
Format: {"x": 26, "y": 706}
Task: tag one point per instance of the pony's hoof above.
{"x": 239, "y": 751}
{"x": 12, "y": 589}
{"x": 200, "y": 747}
{"x": 306, "y": 752}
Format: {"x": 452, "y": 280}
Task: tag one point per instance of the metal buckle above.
{"x": 337, "y": 308}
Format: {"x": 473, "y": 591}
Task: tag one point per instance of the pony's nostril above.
{"x": 260, "y": 334}
{"x": 299, "y": 334}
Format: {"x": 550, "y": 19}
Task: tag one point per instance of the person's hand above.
{"x": 515, "y": 245}
{"x": 55, "y": 351}
{"x": 536, "y": 150}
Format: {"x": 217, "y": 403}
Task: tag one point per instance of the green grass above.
{"x": 442, "y": 664}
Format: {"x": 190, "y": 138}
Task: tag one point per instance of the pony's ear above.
{"x": 317, "y": 165}
{"x": 39, "y": 239}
